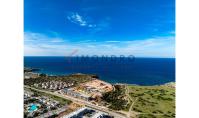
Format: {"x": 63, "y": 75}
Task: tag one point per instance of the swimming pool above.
{"x": 33, "y": 107}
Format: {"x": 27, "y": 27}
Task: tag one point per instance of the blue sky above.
{"x": 144, "y": 28}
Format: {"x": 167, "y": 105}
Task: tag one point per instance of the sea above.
{"x": 139, "y": 71}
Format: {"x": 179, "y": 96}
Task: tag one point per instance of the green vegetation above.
{"x": 116, "y": 98}
{"x": 156, "y": 116}
{"x": 154, "y": 101}
{"x": 151, "y": 116}
{"x": 61, "y": 100}
{"x": 75, "y": 78}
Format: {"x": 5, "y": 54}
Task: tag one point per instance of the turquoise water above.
{"x": 33, "y": 108}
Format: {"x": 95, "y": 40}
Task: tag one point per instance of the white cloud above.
{"x": 78, "y": 19}
{"x": 41, "y": 45}
{"x": 33, "y": 37}
{"x": 86, "y": 21}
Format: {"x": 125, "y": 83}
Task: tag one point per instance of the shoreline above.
{"x": 36, "y": 70}
{"x": 168, "y": 83}
{"x": 144, "y": 72}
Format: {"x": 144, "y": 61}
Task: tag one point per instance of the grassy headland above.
{"x": 153, "y": 101}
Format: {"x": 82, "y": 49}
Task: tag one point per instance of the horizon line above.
{"x": 100, "y": 56}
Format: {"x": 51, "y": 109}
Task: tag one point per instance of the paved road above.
{"x": 79, "y": 101}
